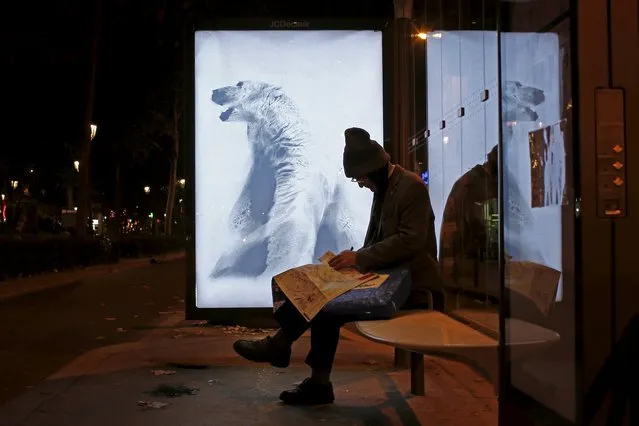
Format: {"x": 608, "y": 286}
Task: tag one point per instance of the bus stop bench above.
{"x": 455, "y": 336}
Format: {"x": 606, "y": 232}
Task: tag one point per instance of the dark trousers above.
{"x": 325, "y": 330}
{"x": 324, "y": 333}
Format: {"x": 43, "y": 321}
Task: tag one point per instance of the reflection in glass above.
{"x": 462, "y": 136}
{"x": 462, "y": 191}
{"x": 465, "y": 134}
{"x": 470, "y": 226}
{"x": 462, "y": 149}
{"x": 537, "y": 219}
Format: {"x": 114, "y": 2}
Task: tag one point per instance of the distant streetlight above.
{"x": 94, "y": 130}
{"x": 147, "y": 189}
{"x": 423, "y": 36}
{"x": 182, "y": 182}
{"x": 14, "y": 184}
{"x": 76, "y": 165}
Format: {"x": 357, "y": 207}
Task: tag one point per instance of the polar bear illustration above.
{"x": 519, "y": 101}
{"x": 520, "y": 104}
{"x": 289, "y": 197}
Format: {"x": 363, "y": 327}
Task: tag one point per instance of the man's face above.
{"x": 365, "y": 182}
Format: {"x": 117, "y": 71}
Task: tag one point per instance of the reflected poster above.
{"x": 271, "y": 108}
{"x": 548, "y": 166}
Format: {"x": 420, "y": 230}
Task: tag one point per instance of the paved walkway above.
{"x": 23, "y": 286}
{"x": 42, "y": 332}
{"x": 104, "y": 386}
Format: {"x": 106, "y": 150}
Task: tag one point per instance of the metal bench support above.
{"x": 402, "y": 358}
{"x": 417, "y": 381}
{"x": 414, "y": 360}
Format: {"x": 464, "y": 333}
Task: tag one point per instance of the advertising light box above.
{"x": 271, "y": 107}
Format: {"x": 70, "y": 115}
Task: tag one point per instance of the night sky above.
{"x": 46, "y": 58}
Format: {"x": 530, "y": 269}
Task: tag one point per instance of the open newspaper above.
{"x": 311, "y": 287}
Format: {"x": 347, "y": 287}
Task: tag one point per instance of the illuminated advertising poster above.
{"x": 271, "y": 108}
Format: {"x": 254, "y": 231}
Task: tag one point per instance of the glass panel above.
{"x": 538, "y": 212}
{"x": 463, "y": 124}
{"x": 462, "y": 151}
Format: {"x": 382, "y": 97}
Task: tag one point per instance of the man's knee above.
{"x": 327, "y": 321}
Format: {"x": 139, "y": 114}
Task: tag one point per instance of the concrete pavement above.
{"x": 104, "y": 386}
{"x": 43, "y": 331}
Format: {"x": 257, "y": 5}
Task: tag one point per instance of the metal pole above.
{"x": 402, "y": 81}
{"x": 402, "y": 105}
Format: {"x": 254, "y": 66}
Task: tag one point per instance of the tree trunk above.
{"x": 70, "y": 203}
{"x": 84, "y": 188}
{"x": 170, "y": 199}
{"x": 118, "y": 202}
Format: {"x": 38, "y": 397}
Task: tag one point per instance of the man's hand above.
{"x": 346, "y": 259}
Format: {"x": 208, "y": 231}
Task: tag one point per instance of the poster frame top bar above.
{"x": 278, "y": 24}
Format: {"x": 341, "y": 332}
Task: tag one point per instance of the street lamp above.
{"x": 94, "y": 130}
{"x": 182, "y": 182}
{"x": 76, "y": 165}
{"x": 423, "y": 35}
{"x": 147, "y": 189}
{"x": 14, "y": 184}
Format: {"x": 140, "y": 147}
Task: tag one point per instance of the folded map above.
{"x": 311, "y": 287}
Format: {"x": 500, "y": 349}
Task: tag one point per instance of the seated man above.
{"x": 400, "y": 231}
{"x": 464, "y": 238}
{"x": 468, "y": 253}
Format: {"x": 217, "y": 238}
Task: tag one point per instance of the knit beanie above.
{"x": 361, "y": 154}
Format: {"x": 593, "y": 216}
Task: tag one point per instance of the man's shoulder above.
{"x": 412, "y": 181}
{"x": 411, "y": 189}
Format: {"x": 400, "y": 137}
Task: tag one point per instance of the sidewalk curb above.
{"x": 128, "y": 264}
